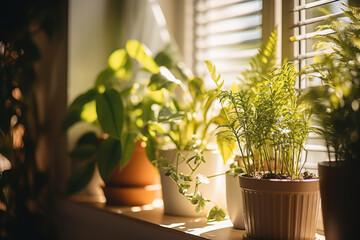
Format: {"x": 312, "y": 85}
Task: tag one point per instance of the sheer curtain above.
{"x": 144, "y": 21}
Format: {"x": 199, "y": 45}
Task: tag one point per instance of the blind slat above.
{"x": 313, "y": 5}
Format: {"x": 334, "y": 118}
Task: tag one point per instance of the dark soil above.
{"x": 268, "y": 175}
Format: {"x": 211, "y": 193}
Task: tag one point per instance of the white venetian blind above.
{"x": 308, "y": 14}
{"x": 227, "y": 32}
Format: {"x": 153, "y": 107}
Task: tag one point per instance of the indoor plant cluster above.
{"x": 264, "y": 122}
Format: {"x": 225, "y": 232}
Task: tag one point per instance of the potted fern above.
{"x": 119, "y": 108}
{"x": 336, "y": 108}
{"x": 269, "y": 123}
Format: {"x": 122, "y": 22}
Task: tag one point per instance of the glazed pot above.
{"x": 136, "y": 184}
{"x": 280, "y": 209}
{"x": 234, "y": 202}
{"x": 174, "y": 202}
{"x": 340, "y": 204}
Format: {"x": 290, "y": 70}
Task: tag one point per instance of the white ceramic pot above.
{"x": 234, "y": 201}
{"x": 174, "y": 202}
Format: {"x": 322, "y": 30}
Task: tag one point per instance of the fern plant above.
{"x": 268, "y": 120}
{"x": 336, "y": 102}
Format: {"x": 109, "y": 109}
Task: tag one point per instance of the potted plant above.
{"x": 269, "y": 123}
{"x": 185, "y": 123}
{"x": 120, "y": 109}
{"x": 261, "y": 64}
{"x": 336, "y": 108}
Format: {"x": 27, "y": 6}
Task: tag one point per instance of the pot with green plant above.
{"x": 119, "y": 108}
{"x": 336, "y": 107}
{"x": 184, "y": 123}
{"x": 261, "y": 64}
{"x": 269, "y": 123}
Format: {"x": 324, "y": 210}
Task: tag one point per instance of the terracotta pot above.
{"x": 174, "y": 202}
{"x": 340, "y": 204}
{"x": 234, "y": 202}
{"x": 278, "y": 209}
{"x": 136, "y": 184}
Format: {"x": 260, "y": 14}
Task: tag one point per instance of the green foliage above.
{"x": 186, "y": 111}
{"x": 110, "y": 112}
{"x": 119, "y": 107}
{"x": 192, "y": 180}
{"x": 336, "y": 102}
{"x": 108, "y": 157}
{"x": 268, "y": 120}
{"x": 262, "y": 64}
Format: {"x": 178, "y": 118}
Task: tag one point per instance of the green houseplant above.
{"x": 120, "y": 108}
{"x": 269, "y": 123}
{"x": 186, "y": 123}
{"x": 336, "y": 108}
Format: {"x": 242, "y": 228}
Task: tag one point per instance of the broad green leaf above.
{"x": 196, "y": 87}
{"x": 163, "y": 59}
{"x": 106, "y": 78}
{"x": 86, "y": 147}
{"x": 226, "y": 145}
{"x": 80, "y": 178}
{"x": 83, "y": 151}
{"x": 108, "y": 158}
{"x": 167, "y": 115}
{"x": 150, "y": 149}
{"x": 128, "y": 142}
{"x": 110, "y": 111}
{"x": 159, "y": 81}
{"x": 88, "y": 113}
{"x": 120, "y": 62}
{"x": 88, "y": 138}
{"x": 75, "y": 110}
{"x": 142, "y": 54}
{"x": 216, "y": 214}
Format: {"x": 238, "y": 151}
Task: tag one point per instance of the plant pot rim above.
{"x": 337, "y": 163}
{"x": 279, "y": 185}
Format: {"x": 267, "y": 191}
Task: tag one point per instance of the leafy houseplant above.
{"x": 269, "y": 123}
{"x": 186, "y": 122}
{"x": 120, "y": 108}
{"x": 336, "y": 108}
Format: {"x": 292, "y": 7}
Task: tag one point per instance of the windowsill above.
{"x": 150, "y": 221}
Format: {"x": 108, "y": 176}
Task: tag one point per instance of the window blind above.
{"x": 308, "y": 14}
{"x": 227, "y": 32}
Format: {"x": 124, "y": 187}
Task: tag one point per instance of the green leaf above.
{"x": 163, "y": 59}
{"x": 75, "y": 109}
{"x": 108, "y": 158}
{"x": 159, "y": 81}
{"x": 106, "y": 78}
{"x": 150, "y": 149}
{"x": 110, "y": 111}
{"x": 216, "y": 214}
{"x": 226, "y": 144}
{"x": 88, "y": 138}
{"x": 167, "y": 115}
{"x": 80, "y": 178}
{"x": 196, "y": 87}
{"x": 128, "y": 142}
{"x": 83, "y": 151}
{"x": 214, "y": 76}
{"x": 142, "y": 54}
{"x": 88, "y": 113}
